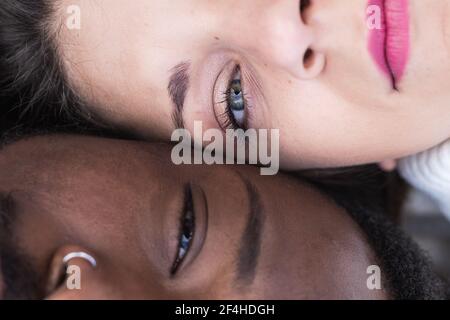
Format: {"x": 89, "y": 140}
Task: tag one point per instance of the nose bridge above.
{"x": 275, "y": 34}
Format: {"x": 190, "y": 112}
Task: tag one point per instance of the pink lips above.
{"x": 389, "y": 45}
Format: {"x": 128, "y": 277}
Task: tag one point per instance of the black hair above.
{"x": 34, "y": 90}
{"x": 19, "y": 278}
{"x": 409, "y": 273}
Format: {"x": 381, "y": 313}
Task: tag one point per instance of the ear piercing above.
{"x": 80, "y": 255}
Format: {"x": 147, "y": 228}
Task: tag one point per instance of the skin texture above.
{"x": 333, "y": 108}
{"x": 121, "y": 202}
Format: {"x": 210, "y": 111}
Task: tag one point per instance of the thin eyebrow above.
{"x": 250, "y": 246}
{"x": 177, "y": 88}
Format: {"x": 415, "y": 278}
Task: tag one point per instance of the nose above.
{"x": 279, "y": 33}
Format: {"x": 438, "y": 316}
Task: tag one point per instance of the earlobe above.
{"x": 388, "y": 165}
{"x": 69, "y": 267}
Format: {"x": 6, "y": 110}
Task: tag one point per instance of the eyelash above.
{"x": 226, "y": 119}
{"x": 186, "y": 230}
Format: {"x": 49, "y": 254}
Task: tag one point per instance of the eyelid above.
{"x": 188, "y": 206}
{"x": 200, "y": 209}
{"x": 221, "y": 85}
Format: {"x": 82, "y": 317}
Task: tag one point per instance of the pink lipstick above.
{"x": 389, "y": 40}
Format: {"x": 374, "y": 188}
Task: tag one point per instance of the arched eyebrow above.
{"x": 250, "y": 245}
{"x": 178, "y": 88}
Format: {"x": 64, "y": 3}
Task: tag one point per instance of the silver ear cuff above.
{"x": 80, "y": 255}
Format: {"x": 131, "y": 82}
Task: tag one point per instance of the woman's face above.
{"x": 306, "y": 71}
{"x": 125, "y": 204}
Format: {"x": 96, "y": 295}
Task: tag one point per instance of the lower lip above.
{"x": 389, "y": 45}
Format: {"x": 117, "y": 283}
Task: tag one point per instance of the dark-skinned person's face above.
{"x": 160, "y": 231}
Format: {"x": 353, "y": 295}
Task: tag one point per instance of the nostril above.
{"x": 313, "y": 64}
{"x": 308, "y": 59}
{"x": 304, "y": 5}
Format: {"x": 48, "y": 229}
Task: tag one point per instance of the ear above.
{"x": 388, "y": 165}
{"x": 73, "y": 277}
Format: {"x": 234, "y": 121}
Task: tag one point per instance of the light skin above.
{"x": 307, "y": 73}
{"x": 122, "y": 202}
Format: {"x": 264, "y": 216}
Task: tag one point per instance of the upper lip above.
{"x": 389, "y": 45}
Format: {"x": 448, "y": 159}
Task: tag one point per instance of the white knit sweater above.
{"x": 430, "y": 172}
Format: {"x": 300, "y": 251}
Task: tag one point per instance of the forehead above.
{"x": 121, "y": 57}
{"x": 45, "y": 151}
{"x": 60, "y": 157}
{"x": 66, "y": 177}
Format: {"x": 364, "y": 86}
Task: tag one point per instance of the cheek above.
{"x": 320, "y": 128}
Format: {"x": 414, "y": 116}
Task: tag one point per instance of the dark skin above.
{"x": 256, "y": 237}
